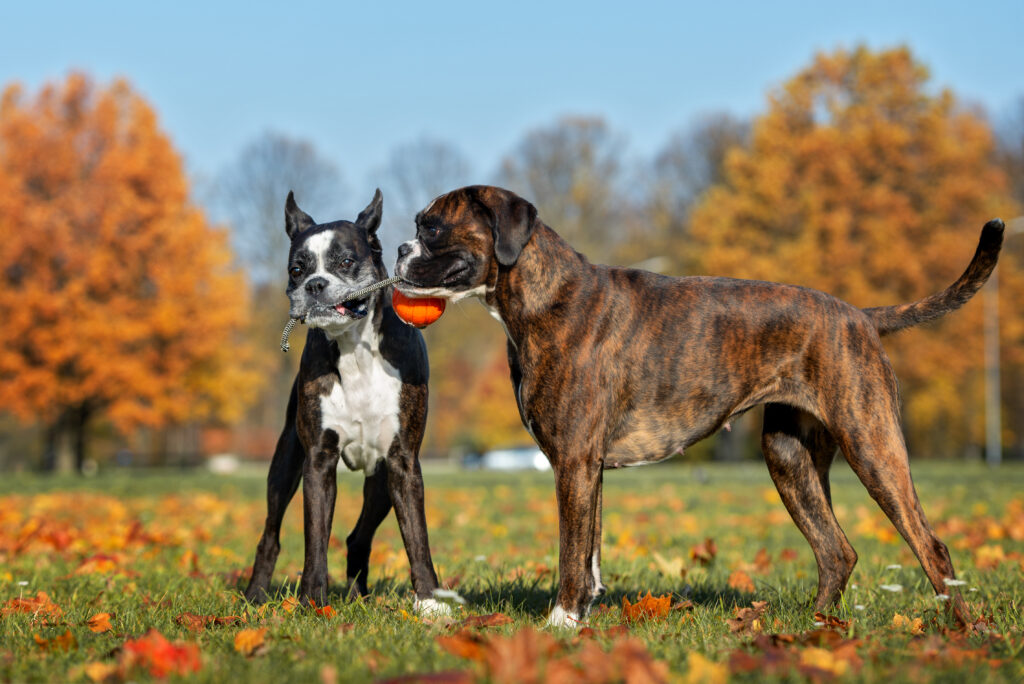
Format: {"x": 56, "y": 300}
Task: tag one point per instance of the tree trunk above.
{"x": 66, "y": 441}
{"x": 59, "y": 456}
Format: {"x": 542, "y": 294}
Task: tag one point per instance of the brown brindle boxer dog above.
{"x": 617, "y": 367}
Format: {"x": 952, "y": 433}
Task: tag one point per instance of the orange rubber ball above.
{"x": 420, "y": 312}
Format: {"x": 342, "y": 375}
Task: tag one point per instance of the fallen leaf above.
{"x": 914, "y": 626}
{"x": 62, "y": 642}
{"x": 748, "y": 620}
{"x": 490, "y": 620}
{"x": 705, "y": 552}
{"x": 673, "y": 568}
{"x": 290, "y": 604}
{"x": 100, "y": 672}
{"x": 740, "y": 581}
{"x": 41, "y": 605}
{"x": 249, "y": 641}
{"x": 646, "y": 607}
{"x": 155, "y": 653}
{"x": 464, "y": 644}
{"x": 609, "y": 633}
{"x": 99, "y": 623}
{"x": 700, "y": 670}
{"x": 831, "y": 621}
{"x": 763, "y": 561}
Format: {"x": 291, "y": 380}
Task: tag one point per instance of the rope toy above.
{"x": 359, "y": 294}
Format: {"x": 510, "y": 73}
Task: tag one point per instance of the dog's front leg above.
{"x": 577, "y": 483}
{"x": 319, "y": 491}
{"x": 405, "y": 481}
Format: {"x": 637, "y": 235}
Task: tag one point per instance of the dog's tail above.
{"x": 889, "y": 319}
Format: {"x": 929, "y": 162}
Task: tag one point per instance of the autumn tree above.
{"x": 572, "y": 171}
{"x": 861, "y": 182}
{"x": 119, "y": 300}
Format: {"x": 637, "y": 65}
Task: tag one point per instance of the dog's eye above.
{"x": 295, "y": 271}
{"x": 347, "y": 262}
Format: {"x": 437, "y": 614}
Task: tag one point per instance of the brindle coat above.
{"x": 615, "y": 367}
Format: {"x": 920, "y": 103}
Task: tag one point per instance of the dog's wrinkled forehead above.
{"x": 449, "y": 210}
{"x": 325, "y": 247}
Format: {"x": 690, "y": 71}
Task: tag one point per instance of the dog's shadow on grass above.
{"x": 514, "y": 595}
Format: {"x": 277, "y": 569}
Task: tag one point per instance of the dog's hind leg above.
{"x": 282, "y": 481}
{"x": 376, "y": 505}
{"x": 799, "y": 452}
{"x": 875, "y": 450}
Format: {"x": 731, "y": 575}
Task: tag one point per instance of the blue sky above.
{"x": 359, "y": 78}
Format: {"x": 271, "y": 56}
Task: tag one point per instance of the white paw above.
{"x": 563, "y": 619}
{"x": 431, "y": 608}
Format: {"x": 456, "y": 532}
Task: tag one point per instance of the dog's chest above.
{"x": 363, "y": 407}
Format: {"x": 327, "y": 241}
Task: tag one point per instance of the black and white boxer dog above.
{"x": 617, "y": 367}
{"x": 360, "y": 396}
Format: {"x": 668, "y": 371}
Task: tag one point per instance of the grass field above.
{"x": 170, "y": 551}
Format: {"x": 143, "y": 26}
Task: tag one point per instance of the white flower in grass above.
{"x": 942, "y": 597}
{"x": 892, "y": 587}
{"x": 480, "y": 558}
{"x": 953, "y": 582}
{"x": 973, "y": 589}
{"x": 854, "y": 586}
{"x": 894, "y": 566}
{"x": 858, "y": 606}
{"x": 22, "y": 583}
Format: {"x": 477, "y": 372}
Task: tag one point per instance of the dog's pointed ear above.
{"x": 295, "y": 220}
{"x": 369, "y": 217}
{"x": 513, "y": 220}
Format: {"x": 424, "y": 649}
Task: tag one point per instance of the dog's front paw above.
{"x": 431, "y": 608}
{"x": 563, "y": 619}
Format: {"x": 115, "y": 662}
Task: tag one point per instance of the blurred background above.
{"x": 146, "y": 150}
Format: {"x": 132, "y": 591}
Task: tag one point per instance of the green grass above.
{"x": 494, "y": 536}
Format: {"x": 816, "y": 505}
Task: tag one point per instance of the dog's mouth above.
{"x": 353, "y": 309}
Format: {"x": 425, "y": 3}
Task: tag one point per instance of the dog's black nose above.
{"x": 315, "y": 286}
{"x": 403, "y": 249}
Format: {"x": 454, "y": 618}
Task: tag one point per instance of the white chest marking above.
{"x": 362, "y": 406}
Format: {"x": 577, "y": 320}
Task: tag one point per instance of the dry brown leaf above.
{"x": 100, "y": 622}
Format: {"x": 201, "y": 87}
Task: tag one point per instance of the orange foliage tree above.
{"x": 860, "y": 183}
{"x": 118, "y": 298}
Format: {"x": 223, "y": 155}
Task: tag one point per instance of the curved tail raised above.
{"x": 889, "y": 319}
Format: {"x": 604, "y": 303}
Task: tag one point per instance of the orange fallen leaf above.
{"x": 788, "y": 554}
{"x": 763, "y": 561}
{"x": 159, "y": 656}
{"x": 646, "y": 607}
{"x": 491, "y": 620}
{"x": 610, "y": 633}
{"x": 100, "y": 563}
{"x": 198, "y": 622}
{"x": 249, "y": 641}
{"x": 99, "y": 623}
{"x": 63, "y": 642}
{"x": 40, "y": 605}
{"x": 464, "y": 644}
{"x": 740, "y": 581}
{"x": 290, "y": 604}
{"x": 914, "y": 626}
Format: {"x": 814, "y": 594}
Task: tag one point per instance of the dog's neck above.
{"x": 550, "y": 269}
